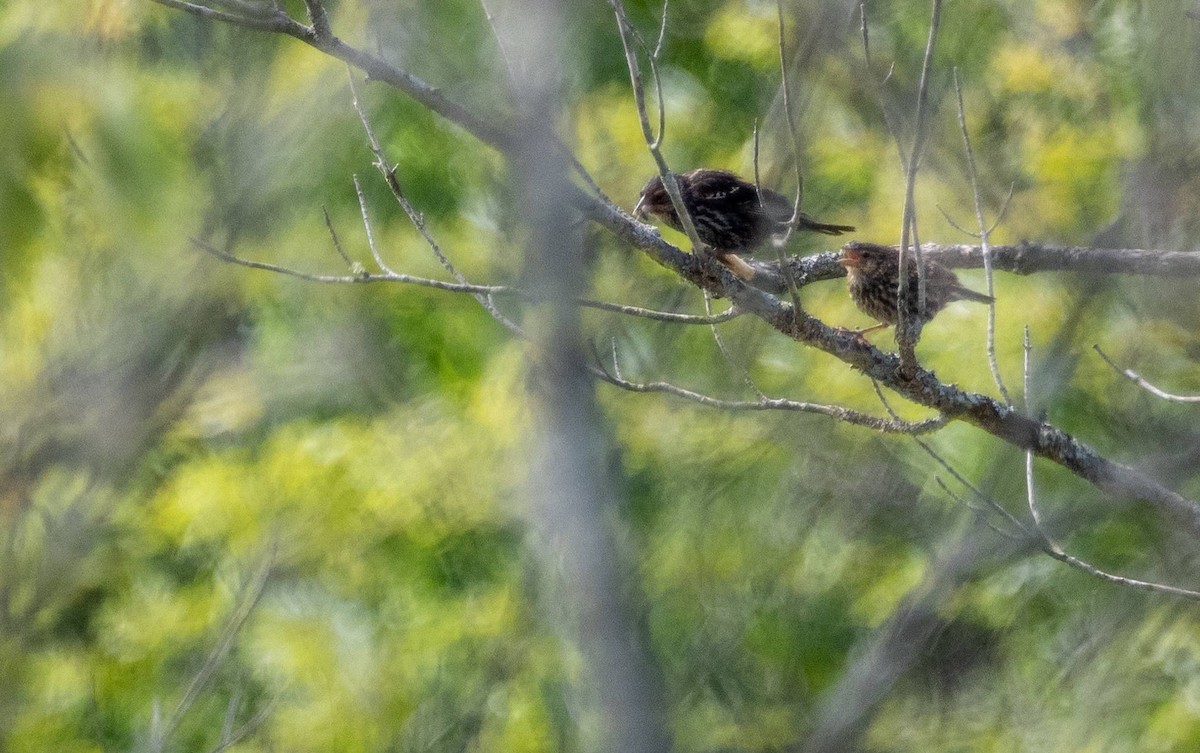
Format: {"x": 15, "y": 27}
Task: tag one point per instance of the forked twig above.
{"x": 653, "y": 143}
{"x": 393, "y": 183}
{"x": 910, "y": 243}
{"x": 893, "y": 426}
{"x": 791, "y": 126}
{"x": 984, "y": 235}
{"x": 455, "y": 287}
{"x": 245, "y": 605}
{"x": 1051, "y": 547}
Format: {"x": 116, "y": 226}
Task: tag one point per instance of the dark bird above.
{"x": 728, "y": 212}
{"x": 874, "y": 273}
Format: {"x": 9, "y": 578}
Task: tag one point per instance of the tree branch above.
{"x": 1137, "y": 379}
{"x": 1025, "y": 258}
{"x": 919, "y": 386}
{"x": 887, "y": 426}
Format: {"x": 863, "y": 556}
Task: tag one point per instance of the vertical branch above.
{"x": 658, "y": 92}
{"x": 1030, "y": 496}
{"x": 653, "y": 143}
{"x": 571, "y": 492}
{"x": 910, "y": 243}
{"x": 791, "y": 126}
{"x": 491, "y": 19}
{"x": 781, "y": 242}
{"x": 888, "y": 121}
{"x": 788, "y": 277}
{"x": 984, "y": 241}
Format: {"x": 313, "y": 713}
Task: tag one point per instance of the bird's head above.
{"x": 867, "y": 257}
{"x": 654, "y": 200}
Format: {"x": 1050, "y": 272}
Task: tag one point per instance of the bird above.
{"x": 874, "y": 274}
{"x": 732, "y": 215}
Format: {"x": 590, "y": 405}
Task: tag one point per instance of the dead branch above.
{"x": 884, "y": 425}
{"x": 919, "y": 386}
{"x": 1137, "y": 379}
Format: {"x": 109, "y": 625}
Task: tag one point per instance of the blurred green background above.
{"x": 239, "y": 505}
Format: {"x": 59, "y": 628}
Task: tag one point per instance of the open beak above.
{"x": 639, "y": 210}
{"x": 849, "y": 258}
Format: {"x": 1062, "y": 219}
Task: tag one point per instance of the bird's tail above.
{"x": 966, "y": 294}
{"x": 804, "y": 222}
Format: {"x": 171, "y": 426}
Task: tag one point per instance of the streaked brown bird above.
{"x": 874, "y": 273}
{"x": 728, "y": 213}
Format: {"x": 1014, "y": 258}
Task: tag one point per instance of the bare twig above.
{"x": 1137, "y": 379}
{"x": 278, "y": 23}
{"x": 984, "y": 241}
{"x": 370, "y": 232}
{"x": 792, "y": 289}
{"x": 248, "y": 600}
{"x": 508, "y": 66}
{"x": 247, "y": 729}
{"x": 652, "y": 143}
{"x": 893, "y": 426}
{"x": 910, "y": 244}
{"x": 393, "y": 183}
{"x": 791, "y": 126}
{"x": 945, "y": 464}
{"x": 1051, "y": 547}
{"x": 355, "y": 268}
{"x": 888, "y": 120}
{"x": 1029, "y": 496}
{"x": 654, "y": 71}
{"x": 457, "y": 287}
{"x": 741, "y": 369}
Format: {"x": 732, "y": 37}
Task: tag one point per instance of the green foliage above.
{"x": 170, "y": 424}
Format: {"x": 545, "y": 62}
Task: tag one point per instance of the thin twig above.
{"x": 393, "y": 183}
{"x": 984, "y": 233}
{"x": 455, "y": 287}
{"x": 1137, "y": 379}
{"x": 250, "y": 596}
{"x": 888, "y": 121}
{"x": 355, "y": 268}
{"x": 789, "y": 278}
{"x": 791, "y": 126}
{"x": 576, "y": 165}
{"x": 276, "y": 22}
{"x": 370, "y": 232}
{"x": 740, "y": 368}
{"x": 772, "y": 404}
{"x": 652, "y": 143}
{"x": 508, "y": 66}
{"x": 945, "y": 464}
{"x": 654, "y": 72}
{"x": 981, "y": 512}
{"x": 1051, "y": 547}
{"x": 252, "y": 724}
{"x": 1029, "y": 493}
{"x": 910, "y": 244}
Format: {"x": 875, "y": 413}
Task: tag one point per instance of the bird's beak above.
{"x": 850, "y": 258}
{"x": 639, "y": 210}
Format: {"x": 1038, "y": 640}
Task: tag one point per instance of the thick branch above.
{"x": 1022, "y": 259}
{"x": 486, "y": 130}
{"x": 922, "y": 386}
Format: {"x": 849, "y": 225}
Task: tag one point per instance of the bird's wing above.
{"x": 778, "y": 207}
